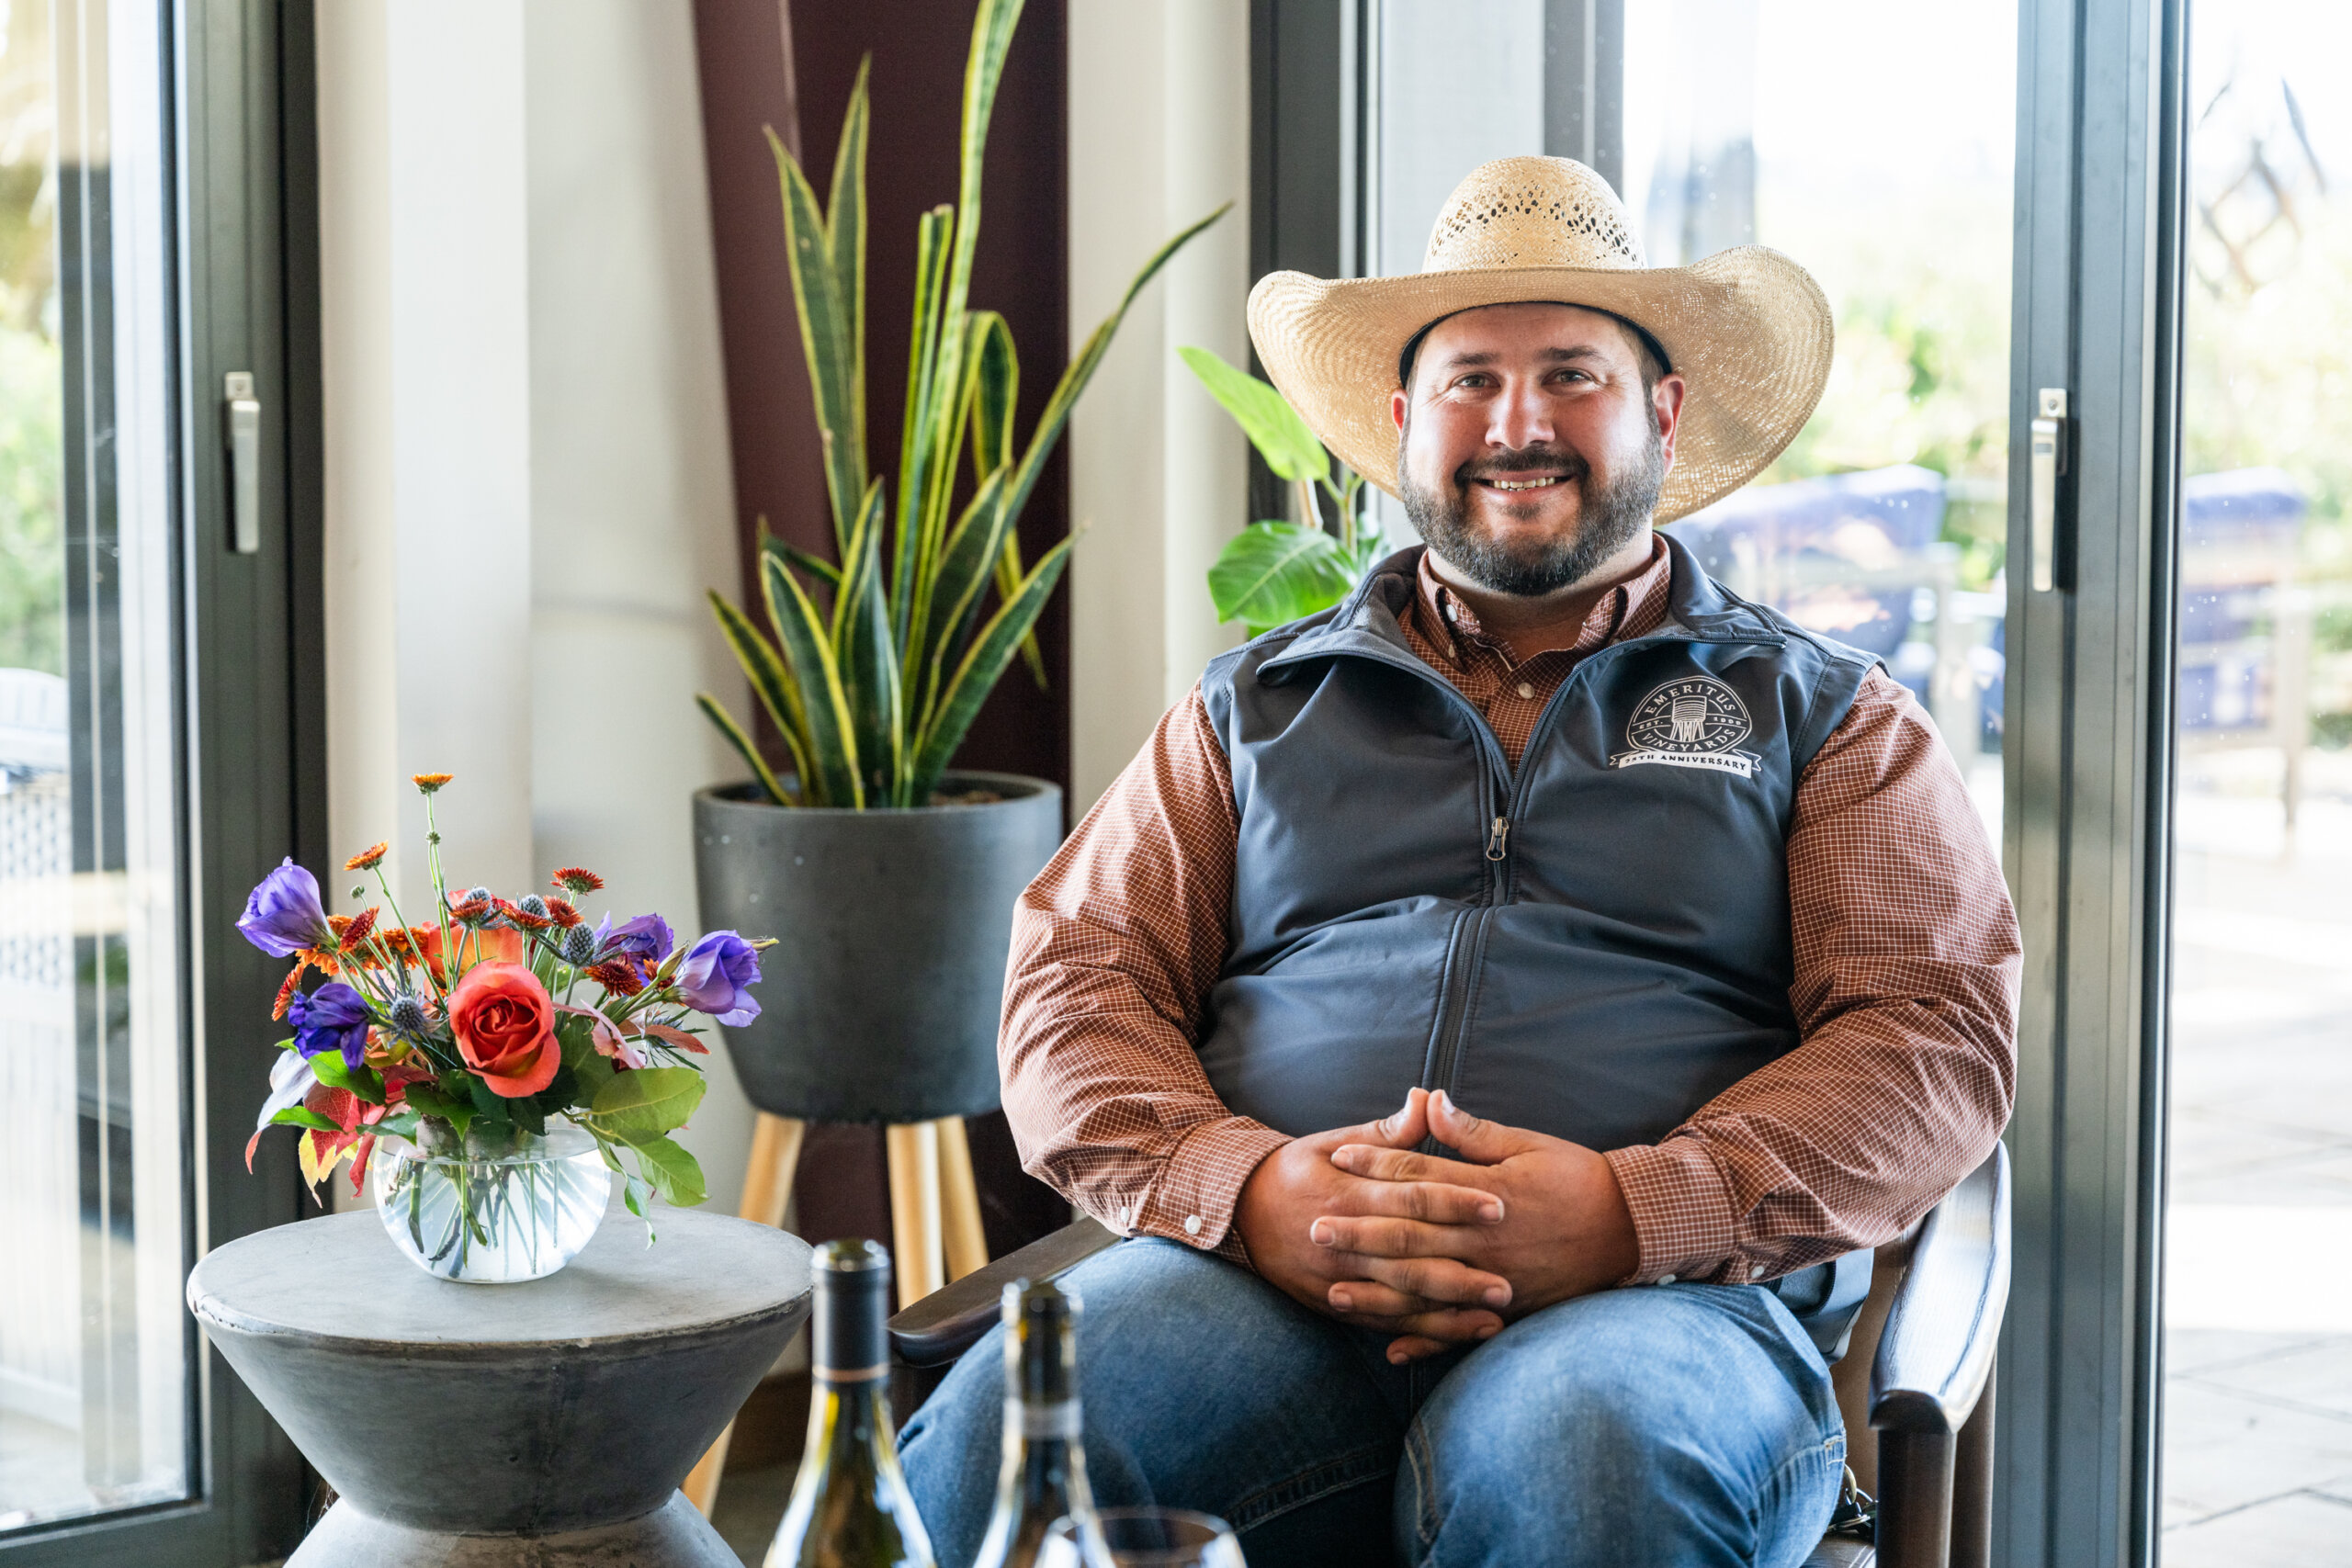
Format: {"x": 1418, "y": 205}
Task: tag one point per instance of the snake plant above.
{"x": 874, "y": 662}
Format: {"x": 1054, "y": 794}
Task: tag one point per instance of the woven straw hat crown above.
{"x": 1748, "y": 329}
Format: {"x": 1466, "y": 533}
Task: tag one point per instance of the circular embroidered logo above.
{"x": 1695, "y": 716}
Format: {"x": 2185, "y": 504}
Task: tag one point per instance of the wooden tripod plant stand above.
{"x": 934, "y": 1222}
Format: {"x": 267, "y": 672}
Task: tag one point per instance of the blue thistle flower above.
{"x": 406, "y": 1015}
{"x": 579, "y": 946}
{"x": 532, "y": 904}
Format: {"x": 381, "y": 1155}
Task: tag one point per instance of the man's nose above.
{"x": 1519, "y": 418}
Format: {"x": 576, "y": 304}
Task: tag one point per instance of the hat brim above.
{"x": 1748, "y": 329}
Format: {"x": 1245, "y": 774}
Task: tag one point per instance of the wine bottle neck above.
{"x": 1044, "y": 1464}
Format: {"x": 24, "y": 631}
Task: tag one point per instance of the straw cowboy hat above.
{"x": 1748, "y": 329}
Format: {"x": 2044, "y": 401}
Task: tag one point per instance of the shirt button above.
{"x": 1666, "y": 1278}
{"x": 1756, "y": 1273}
{"x": 1192, "y": 1224}
{"x": 1526, "y": 690}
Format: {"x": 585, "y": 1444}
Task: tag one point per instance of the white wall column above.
{"x": 1159, "y": 135}
{"x": 527, "y": 476}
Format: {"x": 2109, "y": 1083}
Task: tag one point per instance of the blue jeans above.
{"x": 1666, "y": 1426}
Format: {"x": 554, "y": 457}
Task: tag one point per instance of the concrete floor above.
{"x": 2257, "y": 1456}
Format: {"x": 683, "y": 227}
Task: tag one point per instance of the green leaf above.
{"x": 428, "y": 1100}
{"x": 333, "y": 1072}
{"x": 866, "y": 651}
{"x": 649, "y": 1100}
{"x": 302, "y": 1116}
{"x": 995, "y": 391}
{"x": 961, "y": 578}
{"x": 835, "y": 376}
{"x": 528, "y": 1116}
{"x": 809, "y": 561}
{"x": 830, "y": 762}
{"x": 1271, "y": 573}
{"x": 845, "y": 248}
{"x": 1264, "y": 415}
{"x": 933, "y": 231}
{"x": 674, "y": 1172}
{"x": 401, "y": 1123}
{"x": 772, "y": 679}
{"x": 976, "y": 676}
{"x": 716, "y": 711}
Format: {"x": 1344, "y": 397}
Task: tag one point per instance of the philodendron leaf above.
{"x": 647, "y": 1101}
{"x": 672, "y": 1171}
{"x": 1271, "y": 573}
{"x": 1264, "y": 415}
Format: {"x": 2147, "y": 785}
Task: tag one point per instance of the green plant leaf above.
{"x": 1271, "y": 573}
{"x": 995, "y": 391}
{"x": 978, "y": 675}
{"x": 934, "y": 230}
{"x": 674, "y": 1172}
{"x": 1080, "y": 370}
{"x": 715, "y": 711}
{"x": 302, "y": 1116}
{"x": 646, "y": 1101}
{"x": 829, "y": 776}
{"x": 825, "y": 335}
{"x": 1264, "y": 415}
{"x": 809, "y": 561}
{"x": 845, "y": 248}
{"x": 960, "y": 579}
{"x": 772, "y": 679}
{"x": 866, "y": 651}
{"x": 331, "y": 1070}
{"x": 401, "y": 1123}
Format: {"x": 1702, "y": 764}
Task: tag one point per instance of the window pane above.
{"x": 2257, "y": 1456}
{"x": 94, "y": 1342}
{"x": 1875, "y": 144}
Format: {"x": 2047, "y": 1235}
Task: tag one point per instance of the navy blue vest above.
{"x": 1592, "y": 945}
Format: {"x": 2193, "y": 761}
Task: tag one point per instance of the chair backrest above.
{"x": 1851, "y": 1376}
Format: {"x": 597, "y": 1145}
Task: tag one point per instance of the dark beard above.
{"x": 1610, "y": 517}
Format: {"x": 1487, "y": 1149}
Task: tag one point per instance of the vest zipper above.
{"x": 1496, "y": 838}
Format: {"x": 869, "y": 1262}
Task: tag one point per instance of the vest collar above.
{"x": 1698, "y": 609}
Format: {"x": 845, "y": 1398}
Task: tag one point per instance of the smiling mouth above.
{"x": 1546, "y": 482}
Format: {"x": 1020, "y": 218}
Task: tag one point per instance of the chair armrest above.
{"x": 943, "y": 1326}
{"x": 1936, "y": 1348}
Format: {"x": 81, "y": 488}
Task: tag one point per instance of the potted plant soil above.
{"x": 889, "y": 878}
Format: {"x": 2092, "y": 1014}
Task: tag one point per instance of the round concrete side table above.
{"x": 546, "y": 1423}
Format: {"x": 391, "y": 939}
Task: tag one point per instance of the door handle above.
{"x": 242, "y": 421}
{"x": 2048, "y": 450}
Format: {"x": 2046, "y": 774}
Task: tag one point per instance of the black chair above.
{"x": 1926, "y": 1334}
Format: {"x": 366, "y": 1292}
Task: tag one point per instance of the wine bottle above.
{"x": 1044, "y": 1474}
{"x": 850, "y": 1506}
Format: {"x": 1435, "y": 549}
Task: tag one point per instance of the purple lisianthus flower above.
{"x": 332, "y": 1018}
{"x": 284, "y": 915}
{"x": 716, "y": 978}
{"x": 646, "y": 937}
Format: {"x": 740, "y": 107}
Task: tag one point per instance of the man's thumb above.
{"x": 1406, "y": 1126}
{"x": 1474, "y": 1139}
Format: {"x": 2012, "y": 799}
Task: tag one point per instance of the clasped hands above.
{"x": 1437, "y": 1253}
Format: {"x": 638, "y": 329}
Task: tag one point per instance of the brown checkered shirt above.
{"x": 1906, "y": 965}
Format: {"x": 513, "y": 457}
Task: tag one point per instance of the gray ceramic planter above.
{"x": 880, "y": 1001}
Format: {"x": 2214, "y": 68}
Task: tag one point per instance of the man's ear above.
{"x": 1397, "y": 407}
{"x": 1666, "y": 405}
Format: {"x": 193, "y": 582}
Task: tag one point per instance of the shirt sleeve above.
{"x": 1905, "y": 975}
{"x": 1115, "y": 948}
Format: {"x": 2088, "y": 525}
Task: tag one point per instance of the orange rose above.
{"x": 506, "y": 1028}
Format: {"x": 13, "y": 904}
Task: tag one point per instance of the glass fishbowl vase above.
{"x": 490, "y": 1216}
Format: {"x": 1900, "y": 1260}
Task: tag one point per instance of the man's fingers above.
{"x": 1434, "y": 1278}
{"x": 1378, "y": 1164}
{"x": 1371, "y": 1299}
{"x": 1408, "y": 1126}
{"x": 1420, "y": 1347}
{"x": 1439, "y": 1202}
{"x": 1477, "y": 1140}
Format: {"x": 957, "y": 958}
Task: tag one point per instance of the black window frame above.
{"x": 241, "y": 139}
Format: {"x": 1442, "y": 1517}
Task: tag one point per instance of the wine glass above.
{"x": 1146, "y": 1537}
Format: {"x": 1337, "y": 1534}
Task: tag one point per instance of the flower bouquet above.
{"x": 509, "y": 1055}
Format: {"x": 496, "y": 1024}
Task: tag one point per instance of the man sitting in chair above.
{"x": 1505, "y": 1008}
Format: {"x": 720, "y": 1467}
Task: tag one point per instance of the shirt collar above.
{"x": 1633, "y": 608}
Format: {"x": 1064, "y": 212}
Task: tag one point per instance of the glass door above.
{"x": 2258, "y": 1435}
{"x": 94, "y": 1353}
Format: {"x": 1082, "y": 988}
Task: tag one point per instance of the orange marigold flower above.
{"x": 399, "y": 943}
{"x": 355, "y": 931}
{"x": 561, "y": 911}
{"x": 575, "y": 880}
{"x": 319, "y": 959}
{"x": 428, "y": 783}
{"x": 286, "y": 991}
{"x": 471, "y": 910}
{"x": 365, "y": 858}
{"x": 618, "y": 977}
{"x": 522, "y": 918}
